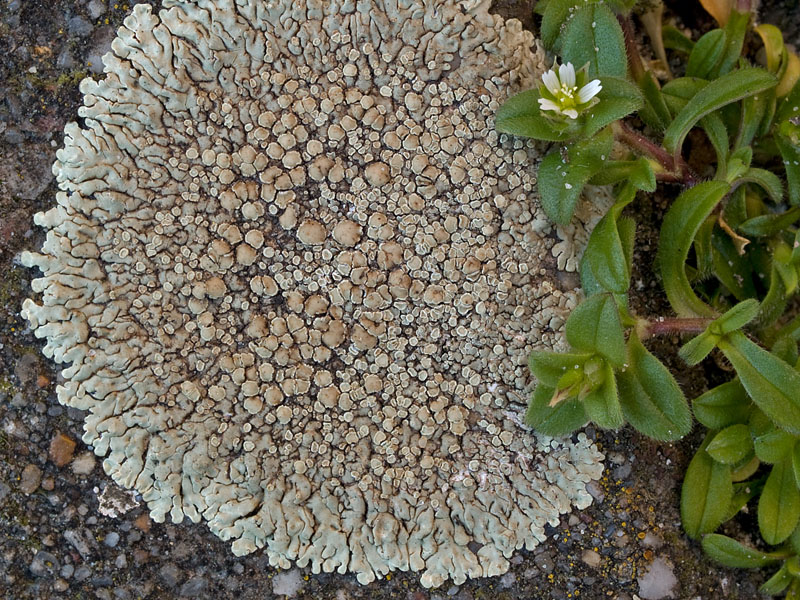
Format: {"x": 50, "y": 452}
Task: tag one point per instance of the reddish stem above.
{"x": 677, "y": 170}
{"x": 676, "y": 325}
{"x": 634, "y": 58}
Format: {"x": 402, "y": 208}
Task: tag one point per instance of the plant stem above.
{"x": 676, "y": 170}
{"x": 634, "y": 58}
{"x": 673, "y": 325}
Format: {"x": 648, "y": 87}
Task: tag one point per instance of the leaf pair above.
{"x": 585, "y": 33}
{"x": 609, "y": 382}
{"x": 521, "y": 115}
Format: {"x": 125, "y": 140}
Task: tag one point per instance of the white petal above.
{"x": 589, "y": 91}
{"x": 566, "y": 73}
{"x": 550, "y": 80}
{"x": 571, "y": 113}
{"x": 546, "y": 104}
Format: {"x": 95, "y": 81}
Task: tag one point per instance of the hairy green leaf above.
{"x": 789, "y": 107}
{"x": 548, "y": 367}
{"x": 697, "y": 348}
{"x": 769, "y": 182}
{"x": 677, "y": 233}
{"x": 778, "y": 583}
{"x": 779, "y": 505}
{"x": 790, "y": 154}
{"x": 754, "y": 111}
{"x": 771, "y": 383}
{"x": 674, "y": 39}
{"x": 702, "y": 248}
{"x": 706, "y": 493}
{"x": 602, "y": 403}
{"x": 735, "y": 30}
{"x": 594, "y": 36}
{"x": 735, "y": 318}
{"x": 554, "y": 14}
{"x": 651, "y": 400}
{"x": 718, "y": 136}
{"x": 561, "y": 181}
{"x": 730, "y": 553}
{"x": 521, "y": 115}
{"x": 638, "y": 172}
{"x": 594, "y": 326}
{"x": 618, "y": 98}
{"x": 722, "y": 406}
{"x": 605, "y": 255}
{"x": 731, "y": 445}
{"x": 729, "y": 88}
{"x": 773, "y": 445}
{"x": 796, "y": 463}
{"x": 557, "y": 421}
{"x": 770, "y": 224}
{"x": 679, "y": 91}
{"x": 706, "y": 54}
{"x": 655, "y": 111}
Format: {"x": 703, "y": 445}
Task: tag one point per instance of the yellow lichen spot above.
{"x": 389, "y": 577}
{"x": 641, "y": 535}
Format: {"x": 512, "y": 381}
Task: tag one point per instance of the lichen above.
{"x": 294, "y": 275}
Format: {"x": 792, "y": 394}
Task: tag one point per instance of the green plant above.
{"x": 728, "y": 257}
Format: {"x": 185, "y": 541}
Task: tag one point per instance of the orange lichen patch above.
{"x": 62, "y": 449}
{"x": 42, "y": 52}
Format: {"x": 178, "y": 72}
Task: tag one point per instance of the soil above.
{"x": 56, "y": 543}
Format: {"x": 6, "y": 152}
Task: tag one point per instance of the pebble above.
{"x": 26, "y": 368}
{"x": 143, "y": 522}
{"x": 194, "y": 587}
{"x": 43, "y": 564}
{"x": 96, "y": 9}
{"x": 287, "y": 583}
{"x": 591, "y": 558}
{"x": 79, "y": 26}
{"x": 61, "y": 450}
{"x": 112, "y": 539}
{"x": 170, "y": 574}
{"x": 84, "y": 464}
{"x": 31, "y": 478}
{"x": 82, "y": 573}
{"x": 78, "y": 542}
{"x": 658, "y": 581}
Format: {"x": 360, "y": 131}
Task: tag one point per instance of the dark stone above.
{"x": 194, "y": 587}
{"x": 79, "y": 26}
{"x": 44, "y": 564}
{"x": 170, "y": 574}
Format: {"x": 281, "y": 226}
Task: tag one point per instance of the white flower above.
{"x": 566, "y": 92}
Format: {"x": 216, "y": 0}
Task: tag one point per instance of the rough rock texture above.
{"x": 295, "y": 275}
